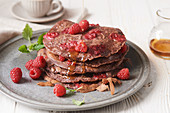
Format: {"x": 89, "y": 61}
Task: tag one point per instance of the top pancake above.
{"x": 103, "y": 44}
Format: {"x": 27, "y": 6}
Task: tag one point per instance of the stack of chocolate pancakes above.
{"x": 85, "y": 58}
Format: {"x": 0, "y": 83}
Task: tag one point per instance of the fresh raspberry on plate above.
{"x": 61, "y": 58}
{"x": 84, "y": 24}
{"x": 39, "y": 62}
{"x": 16, "y": 74}
{"x": 123, "y": 74}
{"x": 74, "y": 29}
{"x": 35, "y": 73}
{"x": 59, "y": 90}
{"x": 81, "y": 46}
{"x": 29, "y": 64}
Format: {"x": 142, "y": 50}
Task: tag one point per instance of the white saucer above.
{"x": 19, "y": 13}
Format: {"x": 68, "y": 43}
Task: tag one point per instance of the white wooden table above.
{"x": 135, "y": 18}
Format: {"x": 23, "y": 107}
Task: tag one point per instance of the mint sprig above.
{"x": 27, "y": 34}
{"x": 77, "y": 102}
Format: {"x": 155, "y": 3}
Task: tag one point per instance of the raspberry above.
{"x": 123, "y": 74}
{"x": 117, "y": 37}
{"x": 61, "y": 58}
{"x": 59, "y": 90}
{"x": 102, "y": 76}
{"x": 69, "y": 62}
{"x": 69, "y": 46}
{"x": 92, "y": 34}
{"x": 93, "y": 25}
{"x": 51, "y": 35}
{"x": 77, "y": 85}
{"x": 97, "y": 49}
{"x": 65, "y": 31}
{"x": 74, "y": 29}
{"x": 29, "y": 64}
{"x": 81, "y": 46}
{"x": 123, "y": 49}
{"x": 16, "y": 74}
{"x": 99, "y": 76}
{"x": 84, "y": 24}
{"x": 35, "y": 73}
{"x": 39, "y": 62}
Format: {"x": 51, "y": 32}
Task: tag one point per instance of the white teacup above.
{"x": 40, "y": 8}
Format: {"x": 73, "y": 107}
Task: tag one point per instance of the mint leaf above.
{"x": 27, "y": 33}
{"x": 78, "y": 103}
{"x": 38, "y": 47}
{"x": 31, "y": 47}
{"x": 23, "y": 49}
{"x": 40, "y": 39}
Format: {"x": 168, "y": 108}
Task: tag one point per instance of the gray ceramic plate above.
{"x": 28, "y": 93}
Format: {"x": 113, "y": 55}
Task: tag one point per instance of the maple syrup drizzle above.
{"x": 71, "y": 68}
{"x": 73, "y": 55}
{"x": 160, "y": 47}
{"x": 83, "y": 64}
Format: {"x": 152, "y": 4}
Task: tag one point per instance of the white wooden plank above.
{"x": 99, "y": 12}
{"x": 20, "y": 108}
{"x": 6, "y": 104}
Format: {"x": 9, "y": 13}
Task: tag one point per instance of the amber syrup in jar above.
{"x": 160, "y": 47}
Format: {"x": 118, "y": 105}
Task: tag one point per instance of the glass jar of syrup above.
{"x": 159, "y": 40}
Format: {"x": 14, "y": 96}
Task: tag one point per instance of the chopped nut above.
{"x": 102, "y": 87}
{"x": 52, "y": 69}
{"x": 54, "y": 81}
{"x": 119, "y": 82}
{"x": 45, "y": 84}
{"x": 112, "y": 88}
{"x": 115, "y": 80}
{"x": 105, "y": 81}
{"x": 47, "y": 78}
{"x": 58, "y": 69}
{"x": 87, "y": 88}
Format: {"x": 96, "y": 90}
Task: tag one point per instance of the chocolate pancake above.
{"x": 93, "y": 63}
{"x": 103, "y": 45}
{"x": 79, "y": 68}
{"x": 90, "y": 77}
{"x": 72, "y": 71}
